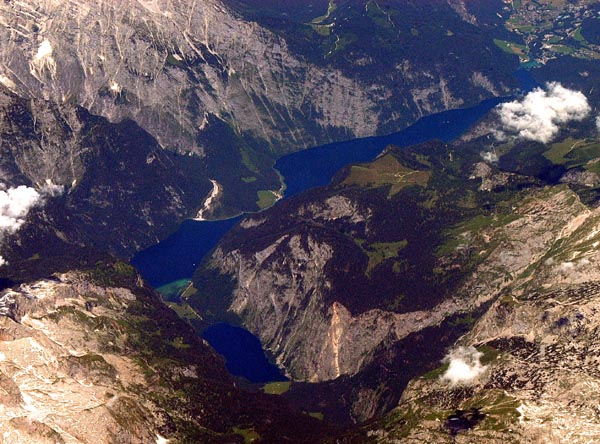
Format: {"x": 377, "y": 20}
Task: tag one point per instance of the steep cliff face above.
{"x": 295, "y": 296}
{"x": 347, "y": 284}
{"x": 99, "y": 186}
{"x": 95, "y": 356}
{"x": 538, "y": 353}
{"x": 204, "y": 81}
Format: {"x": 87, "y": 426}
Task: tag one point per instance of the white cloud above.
{"x": 15, "y": 204}
{"x": 489, "y": 156}
{"x": 538, "y": 115}
{"x": 598, "y": 122}
{"x": 464, "y": 365}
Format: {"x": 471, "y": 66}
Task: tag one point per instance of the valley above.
{"x": 382, "y": 213}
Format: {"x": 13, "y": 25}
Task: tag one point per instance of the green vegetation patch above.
{"x": 249, "y": 435}
{"x": 512, "y": 48}
{"x": 490, "y": 354}
{"x": 266, "y": 199}
{"x": 499, "y": 407}
{"x": 332, "y": 7}
{"x": 179, "y": 343}
{"x": 189, "y": 291}
{"x": 579, "y": 37}
{"x": 277, "y": 388}
{"x": 175, "y": 60}
{"x": 318, "y": 415}
{"x": 563, "y": 49}
{"x": 380, "y": 251}
{"x": 436, "y": 373}
{"x": 574, "y": 152}
{"x": 459, "y": 235}
{"x": 385, "y": 171}
{"x": 184, "y": 311}
{"x": 111, "y": 274}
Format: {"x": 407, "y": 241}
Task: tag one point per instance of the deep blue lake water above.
{"x": 178, "y": 256}
{"x": 243, "y": 353}
{"x": 317, "y": 166}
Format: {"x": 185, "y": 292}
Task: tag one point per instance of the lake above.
{"x": 176, "y": 257}
{"x": 172, "y": 262}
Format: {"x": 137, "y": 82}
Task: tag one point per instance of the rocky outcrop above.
{"x": 283, "y": 293}
{"x": 539, "y": 350}
{"x": 206, "y": 82}
{"x": 96, "y": 356}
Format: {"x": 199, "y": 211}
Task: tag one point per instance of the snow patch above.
{"x": 44, "y": 51}
{"x": 115, "y": 87}
{"x": 43, "y": 61}
{"x": 7, "y": 82}
{"x": 161, "y": 440}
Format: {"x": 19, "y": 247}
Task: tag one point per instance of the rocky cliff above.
{"x": 98, "y": 185}
{"x": 538, "y": 359}
{"x": 95, "y": 356}
{"x": 348, "y": 284}
{"x": 206, "y": 82}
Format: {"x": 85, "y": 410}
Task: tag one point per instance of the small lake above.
{"x": 172, "y": 262}
{"x": 243, "y": 352}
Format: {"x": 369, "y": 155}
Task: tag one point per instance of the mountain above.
{"x": 358, "y": 287}
{"x": 95, "y": 356}
{"x": 536, "y": 352}
{"x": 443, "y": 292}
{"x": 208, "y": 82}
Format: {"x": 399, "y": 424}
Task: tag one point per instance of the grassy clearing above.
{"x": 266, "y": 199}
{"x": 563, "y": 49}
{"x": 462, "y": 233}
{"x": 380, "y": 251}
{"x": 556, "y": 154}
{"x": 385, "y": 171}
{"x": 322, "y": 30}
{"x": 184, "y": 311}
{"x": 573, "y": 152}
{"x": 512, "y": 48}
{"x": 277, "y": 388}
{"x": 331, "y": 8}
{"x": 490, "y": 354}
{"x": 249, "y": 435}
{"x": 320, "y": 416}
{"x": 580, "y": 38}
